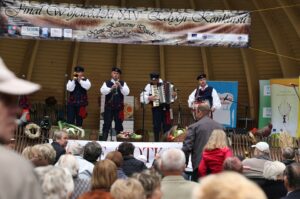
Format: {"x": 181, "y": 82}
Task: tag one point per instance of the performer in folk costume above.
{"x": 78, "y": 99}
{"x": 161, "y": 113}
{"x": 114, "y": 91}
{"x": 204, "y": 93}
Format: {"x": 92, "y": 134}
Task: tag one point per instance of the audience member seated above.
{"x": 92, "y": 152}
{"x": 215, "y": 152}
{"x": 60, "y": 141}
{"x": 173, "y": 185}
{"x": 69, "y": 162}
{"x": 292, "y": 181}
{"x": 288, "y": 155}
{"x": 150, "y": 180}
{"x": 117, "y": 158}
{"x": 130, "y": 165}
{"x": 253, "y": 167}
{"x": 85, "y": 167}
{"x": 43, "y": 155}
{"x": 56, "y": 182}
{"x": 104, "y": 175}
{"x": 127, "y": 189}
{"x": 273, "y": 185}
{"x": 233, "y": 164}
{"x": 228, "y": 185}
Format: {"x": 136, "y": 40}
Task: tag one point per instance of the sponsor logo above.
{"x": 30, "y": 31}
{"x": 55, "y": 32}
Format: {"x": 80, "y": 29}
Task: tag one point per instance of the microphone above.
{"x": 225, "y": 98}
{"x": 291, "y": 84}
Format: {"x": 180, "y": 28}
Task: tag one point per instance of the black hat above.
{"x": 154, "y": 76}
{"x": 201, "y": 76}
{"x": 79, "y": 69}
{"x": 116, "y": 69}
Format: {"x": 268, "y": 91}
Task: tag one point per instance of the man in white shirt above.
{"x": 114, "y": 91}
{"x": 204, "y": 93}
{"x": 78, "y": 99}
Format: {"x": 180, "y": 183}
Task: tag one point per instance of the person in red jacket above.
{"x": 215, "y": 152}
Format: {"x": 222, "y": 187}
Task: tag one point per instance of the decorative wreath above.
{"x": 32, "y": 131}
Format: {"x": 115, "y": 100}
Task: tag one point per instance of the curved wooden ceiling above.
{"x": 275, "y": 30}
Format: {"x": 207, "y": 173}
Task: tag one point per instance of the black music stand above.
{"x": 246, "y": 110}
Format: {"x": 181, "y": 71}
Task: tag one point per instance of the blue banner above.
{"x": 228, "y": 93}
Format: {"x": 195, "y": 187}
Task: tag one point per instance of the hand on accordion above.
{"x": 174, "y": 94}
{"x": 152, "y": 98}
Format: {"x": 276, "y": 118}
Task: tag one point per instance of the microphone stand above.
{"x": 246, "y": 110}
{"x": 143, "y": 121}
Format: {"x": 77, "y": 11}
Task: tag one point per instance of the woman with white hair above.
{"x": 80, "y": 185}
{"x": 56, "y": 182}
{"x": 273, "y": 186}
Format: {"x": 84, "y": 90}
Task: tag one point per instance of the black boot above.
{"x": 104, "y": 136}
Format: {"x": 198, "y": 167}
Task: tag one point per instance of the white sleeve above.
{"x": 71, "y": 85}
{"x": 191, "y": 99}
{"x": 86, "y": 84}
{"x": 104, "y": 90}
{"x": 125, "y": 90}
{"x": 216, "y": 100}
{"x": 144, "y": 95}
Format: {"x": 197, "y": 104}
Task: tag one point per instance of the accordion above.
{"x": 163, "y": 92}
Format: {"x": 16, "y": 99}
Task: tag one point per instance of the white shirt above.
{"x": 104, "y": 90}
{"x": 144, "y": 96}
{"x": 216, "y": 100}
{"x": 86, "y": 84}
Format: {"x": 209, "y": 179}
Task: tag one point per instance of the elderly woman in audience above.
{"x": 56, "y": 182}
{"x": 227, "y": 185}
{"x": 150, "y": 180}
{"x": 92, "y": 152}
{"x": 104, "y": 175}
{"x": 80, "y": 185}
{"x": 117, "y": 158}
{"x": 274, "y": 185}
{"x": 131, "y": 164}
{"x": 288, "y": 155}
{"x": 215, "y": 152}
{"x": 40, "y": 154}
{"x": 127, "y": 189}
{"x": 233, "y": 164}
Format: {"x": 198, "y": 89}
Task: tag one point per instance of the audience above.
{"x": 43, "y": 155}
{"x": 227, "y": 185}
{"x": 85, "y": 167}
{"x": 127, "y": 189}
{"x": 253, "y": 167}
{"x": 130, "y": 165}
{"x": 104, "y": 175}
{"x": 288, "y": 155}
{"x": 292, "y": 181}
{"x": 273, "y": 186}
{"x": 92, "y": 152}
{"x": 150, "y": 181}
{"x": 214, "y": 154}
{"x": 69, "y": 162}
{"x": 56, "y": 182}
{"x": 173, "y": 185}
{"x": 233, "y": 164}
{"x": 60, "y": 141}
{"x": 117, "y": 158}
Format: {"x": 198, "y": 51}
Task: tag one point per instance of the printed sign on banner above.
{"x": 265, "y": 110}
{"x": 152, "y": 26}
{"x": 285, "y": 105}
{"x": 228, "y": 93}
